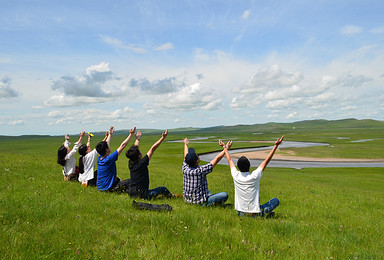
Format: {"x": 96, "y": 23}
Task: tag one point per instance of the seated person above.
{"x": 107, "y": 179}
{"x": 66, "y": 158}
{"x": 87, "y": 173}
{"x": 247, "y": 192}
{"x": 138, "y": 166}
{"x": 195, "y": 185}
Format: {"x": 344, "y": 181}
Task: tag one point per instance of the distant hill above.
{"x": 318, "y": 124}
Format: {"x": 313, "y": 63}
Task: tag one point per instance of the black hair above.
{"x": 243, "y": 164}
{"x": 102, "y": 147}
{"x": 133, "y": 153}
{"x": 61, "y": 153}
{"x": 82, "y": 151}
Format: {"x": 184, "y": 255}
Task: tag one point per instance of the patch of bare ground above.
{"x": 290, "y": 155}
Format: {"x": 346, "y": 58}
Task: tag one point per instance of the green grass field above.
{"x": 324, "y": 213}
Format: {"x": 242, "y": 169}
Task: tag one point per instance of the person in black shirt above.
{"x": 138, "y": 166}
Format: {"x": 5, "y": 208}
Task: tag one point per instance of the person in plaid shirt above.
{"x": 195, "y": 185}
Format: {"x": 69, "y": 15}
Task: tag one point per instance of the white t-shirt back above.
{"x": 89, "y": 166}
{"x": 247, "y": 192}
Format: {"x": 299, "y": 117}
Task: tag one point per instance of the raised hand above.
{"x": 111, "y": 130}
{"x": 279, "y": 141}
{"x": 133, "y": 130}
{"x": 164, "y": 134}
{"x": 229, "y": 144}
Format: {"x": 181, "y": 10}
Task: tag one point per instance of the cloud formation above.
{"x": 190, "y": 98}
{"x": 350, "y": 29}
{"x": 279, "y": 91}
{"x": 159, "y": 86}
{"x": 246, "y": 14}
{"x": 6, "y": 91}
{"x": 87, "y": 84}
{"x": 136, "y": 48}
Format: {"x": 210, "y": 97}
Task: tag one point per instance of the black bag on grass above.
{"x": 148, "y": 206}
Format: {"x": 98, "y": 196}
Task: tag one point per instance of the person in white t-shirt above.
{"x": 66, "y": 158}
{"x": 247, "y": 191}
{"x": 87, "y": 173}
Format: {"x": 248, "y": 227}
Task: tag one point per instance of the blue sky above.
{"x": 68, "y": 66}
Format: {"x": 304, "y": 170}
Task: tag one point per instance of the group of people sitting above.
{"x": 195, "y": 185}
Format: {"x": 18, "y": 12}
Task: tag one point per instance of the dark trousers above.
{"x": 120, "y": 186}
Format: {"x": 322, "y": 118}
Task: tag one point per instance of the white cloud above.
{"x": 164, "y": 47}
{"x": 92, "y": 117}
{"x": 6, "y": 91}
{"x": 65, "y": 101}
{"x": 159, "y": 86}
{"x": 353, "y": 81}
{"x": 378, "y": 30}
{"x": 16, "y": 122}
{"x": 350, "y": 30}
{"x": 190, "y": 98}
{"x": 246, "y": 14}
{"x": 116, "y": 43}
{"x": 292, "y": 115}
{"x": 271, "y": 77}
{"x": 87, "y": 84}
{"x": 5, "y": 61}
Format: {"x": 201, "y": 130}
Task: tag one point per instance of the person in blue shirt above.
{"x": 107, "y": 179}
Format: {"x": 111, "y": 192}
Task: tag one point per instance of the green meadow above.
{"x": 324, "y": 213}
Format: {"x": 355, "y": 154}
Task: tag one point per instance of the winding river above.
{"x": 292, "y": 164}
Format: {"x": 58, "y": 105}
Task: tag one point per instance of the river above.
{"x": 291, "y": 164}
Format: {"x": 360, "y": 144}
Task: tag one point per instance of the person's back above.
{"x": 195, "y": 185}
{"x": 89, "y": 165}
{"x": 106, "y": 171}
{"x": 247, "y": 193}
{"x": 138, "y": 167}
{"x": 139, "y": 177}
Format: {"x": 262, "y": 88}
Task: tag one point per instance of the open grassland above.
{"x": 324, "y": 213}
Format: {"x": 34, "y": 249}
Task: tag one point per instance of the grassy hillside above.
{"x": 327, "y": 213}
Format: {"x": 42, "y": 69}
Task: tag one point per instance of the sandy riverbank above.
{"x": 261, "y": 155}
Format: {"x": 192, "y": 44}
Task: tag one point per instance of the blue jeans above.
{"x": 265, "y": 208}
{"x": 158, "y": 191}
{"x": 217, "y": 198}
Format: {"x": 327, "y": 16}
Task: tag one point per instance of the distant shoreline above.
{"x": 261, "y": 155}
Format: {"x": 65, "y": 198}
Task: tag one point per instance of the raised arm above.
{"x": 82, "y": 134}
{"x": 89, "y": 140}
{"x": 186, "y": 143}
{"x": 126, "y": 141}
{"x": 66, "y": 141}
{"x": 76, "y": 146}
{"x": 110, "y": 133}
{"x": 227, "y": 155}
{"x": 106, "y": 136}
{"x": 271, "y": 153}
{"x": 138, "y": 137}
{"x": 157, "y": 144}
{"x": 220, "y": 156}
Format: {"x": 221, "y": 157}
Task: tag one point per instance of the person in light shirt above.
{"x": 87, "y": 173}
{"x": 66, "y": 158}
{"x": 247, "y": 189}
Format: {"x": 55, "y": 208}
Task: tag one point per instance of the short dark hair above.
{"x": 61, "y": 153}
{"x": 191, "y": 157}
{"x": 243, "y": 164}
{"x": 133, "y": 153}
{"x": 102, "y": 147}
{"x": 83, "y": 149}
